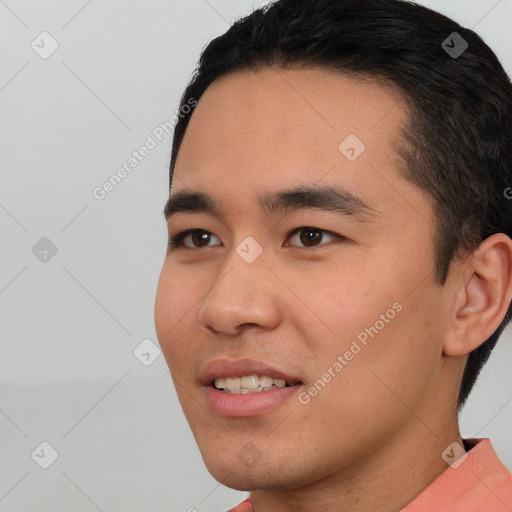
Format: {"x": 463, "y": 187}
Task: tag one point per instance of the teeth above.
{"x": 220, "y": 382}
{"x": 247, "y": 384}
{"x": 266, "y": 382}
{"x": 232, "y": 383}
{"x": 250, "y": 382}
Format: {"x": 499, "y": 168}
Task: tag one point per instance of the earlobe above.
{"x": 483, "y": 297}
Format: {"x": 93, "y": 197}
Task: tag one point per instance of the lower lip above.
{"x": 248, "y": 404}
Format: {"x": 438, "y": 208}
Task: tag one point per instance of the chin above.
{"x": 241, "y": 483}
{"x": 250, "y": 481}
{"x": 232, "y": 472}
{"x": 238, "y": 470}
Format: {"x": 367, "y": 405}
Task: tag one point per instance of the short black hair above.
{"x": 457, "y": 144}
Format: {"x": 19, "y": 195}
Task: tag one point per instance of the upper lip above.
{"x": 241, "y": 367}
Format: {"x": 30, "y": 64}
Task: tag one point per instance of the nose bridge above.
{"x": 241, "y": 294}
{"x": 245, "y": 266}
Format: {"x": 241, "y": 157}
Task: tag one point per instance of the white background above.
{"x": 68, "y": 375}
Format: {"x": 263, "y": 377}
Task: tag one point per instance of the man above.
{"x": 339, "y": 262}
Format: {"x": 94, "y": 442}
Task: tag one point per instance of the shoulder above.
{"x": 245, "y": 506}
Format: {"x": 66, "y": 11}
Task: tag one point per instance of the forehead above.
{"x": 257, "y": 131}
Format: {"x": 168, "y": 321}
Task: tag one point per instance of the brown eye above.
{"x": 311, "y": 237}
{"x": 199, "y": 238}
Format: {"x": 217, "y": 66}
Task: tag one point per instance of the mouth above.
{"x": 237, "y": 388}
{"x": 250, "y": 384}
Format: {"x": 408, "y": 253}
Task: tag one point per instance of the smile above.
{"x": 249, "y": 384}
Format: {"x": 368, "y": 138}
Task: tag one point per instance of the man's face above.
{"x": 341, "y": 309}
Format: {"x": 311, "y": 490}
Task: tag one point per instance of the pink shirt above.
{"x": 481, "y": 483}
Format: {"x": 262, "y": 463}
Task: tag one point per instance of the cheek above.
{"x": 174, "y": 308}
{"x": 348, "y": 301}
{"x": 373, "y": 324}
{"x": 388, "y": 363}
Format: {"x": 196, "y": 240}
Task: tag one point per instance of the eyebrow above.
{"x": 327, "y": 198}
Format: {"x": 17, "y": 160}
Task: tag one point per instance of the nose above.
{"x": 245, "y": 294}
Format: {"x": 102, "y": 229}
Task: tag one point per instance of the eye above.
{"x": 311, "y": 237}
{"x": 197, "y": 236}
{"x": 308, "y": 236}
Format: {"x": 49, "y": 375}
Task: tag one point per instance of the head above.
{"x": 301, "y": 105}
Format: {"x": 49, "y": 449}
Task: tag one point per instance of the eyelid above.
{"x": 332, "y": 234}
{"x": 177, "y": 239}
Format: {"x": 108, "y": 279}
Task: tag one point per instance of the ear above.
{"x": 483, "y": 295}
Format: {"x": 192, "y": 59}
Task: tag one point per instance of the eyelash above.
{"x": 176, "y": 241}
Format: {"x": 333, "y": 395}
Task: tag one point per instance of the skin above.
{"x": 372, "y": 438}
